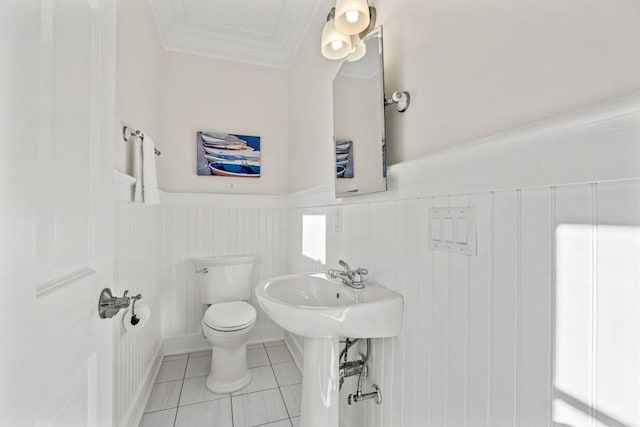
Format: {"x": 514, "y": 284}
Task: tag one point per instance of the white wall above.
{"x": 540, "y": 326}
{"x": 201, "y": 93}
{"x": 473, "y": 69}
{"x": 139, "y": 75}
{"x": 478, "y": 336}
{"x": 199, "y": 226}
{"x": 137, "y": 268}
{"x": 477, "y": 342}
{"x": 170, "y": 96}
{"x": 137, "y": 248}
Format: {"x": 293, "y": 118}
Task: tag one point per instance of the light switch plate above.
{"x": 453, "y": 230}
{"x": 338, "y": 220}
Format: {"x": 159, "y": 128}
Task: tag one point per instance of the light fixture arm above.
{"x": 401, "y": 100}
{"x": 332, "y": 14}
{"x": 372, "y": 22}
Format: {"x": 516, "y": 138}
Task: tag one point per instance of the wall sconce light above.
{"x": 352, "y": 16}
{"x": 347, "y": 24}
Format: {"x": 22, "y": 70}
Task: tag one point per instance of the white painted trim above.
{"x": 222, "y": 200}
{"x": 123, "y": 186}
{"x": 196, "y": 342}
{"x": 600, "y": 144}
{"x": 266, "y": 333}
{"x": 227, "y": 58}
{"x": 276, "y": 50}
{"x": 185, "y": 344}
{"x": 134, "y": 414}
{"x": 64, "y": 280}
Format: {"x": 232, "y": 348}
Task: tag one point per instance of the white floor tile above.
{"x": 295, "y": 422}
{"x": 279, "y": 354}
{"x": 198, "y": 367}
{"x": 216, "y": 413}
{"x": 283, "y": 423}
{"x": 292, "y": 395}
{"x": 175, "y": 357}
{"x": 287, "y": 374}
{"x": 257, "y": 357}
{"x": 164, "y": 396}
{"x": 159, "y": 419}
{"x": 254, "y": 346}
{"x": 273, "y": 343}
{"x": 262, "y": 379}
{"x": 194, "y": 390}
{"x": 171, "y": 371}
{"x": 206, "y": 353}
{"x": 258, "y": 408}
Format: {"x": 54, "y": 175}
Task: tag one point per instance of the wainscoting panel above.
{"x": 137, "y": 268}
{"x": 199, "y": 229}
{"x": 519, "y": 335}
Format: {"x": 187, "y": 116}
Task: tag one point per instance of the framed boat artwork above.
{"x": 228, "y": 154}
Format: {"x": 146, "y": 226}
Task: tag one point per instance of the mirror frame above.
{"x": 378, "y": 34}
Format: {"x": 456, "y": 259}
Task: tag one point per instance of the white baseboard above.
{"x": 185, "y": 344}
{"x": 266, "y": 333}
{"x": 136, "y": 410}
{"x": 196, "y": 342}
{"x": 295, "y": 349}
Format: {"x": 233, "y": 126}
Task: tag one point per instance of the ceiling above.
{"x": 265, "y": 32}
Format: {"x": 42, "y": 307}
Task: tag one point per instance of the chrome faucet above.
{"x": 351, "y": 278}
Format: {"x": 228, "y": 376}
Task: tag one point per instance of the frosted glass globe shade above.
{"x": 334, "y": 44}
{"x": 352, "y": 16}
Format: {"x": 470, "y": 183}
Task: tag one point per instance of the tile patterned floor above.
{"x": 272, "y": 399}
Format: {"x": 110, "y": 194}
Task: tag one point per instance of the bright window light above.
{"x": 314, "y": 237}
{"x": 597, "y": 325}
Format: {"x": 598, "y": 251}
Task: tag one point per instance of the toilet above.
{"x": 225, "y": 286}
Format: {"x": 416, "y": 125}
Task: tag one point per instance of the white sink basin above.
{"x": 315, "y": 305}
{"x": 321, "y": 309}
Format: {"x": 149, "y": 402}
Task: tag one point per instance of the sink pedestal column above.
{"x": 320, "y": 382}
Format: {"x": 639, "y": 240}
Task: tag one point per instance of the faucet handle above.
{"x": 344, "y": 265}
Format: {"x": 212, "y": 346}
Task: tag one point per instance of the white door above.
{"x": 57, "y": 90}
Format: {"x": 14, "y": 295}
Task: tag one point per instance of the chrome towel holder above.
{"x": 127, "y": 132}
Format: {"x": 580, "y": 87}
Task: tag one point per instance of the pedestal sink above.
{"x": 322, "y": 309}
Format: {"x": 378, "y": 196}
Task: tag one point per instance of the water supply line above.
{"x": 357, "y": 367}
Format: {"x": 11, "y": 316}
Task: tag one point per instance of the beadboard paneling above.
{"x": 200, "y": 229}
{"x": 488, "y": 340}
{"x": 137, "y": 268}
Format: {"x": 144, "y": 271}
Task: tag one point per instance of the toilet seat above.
{"x": 229, "y": 316}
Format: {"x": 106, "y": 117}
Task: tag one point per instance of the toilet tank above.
{"x": 225, "y": 278}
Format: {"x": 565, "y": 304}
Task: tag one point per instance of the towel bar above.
{"x": 127, "y": 132}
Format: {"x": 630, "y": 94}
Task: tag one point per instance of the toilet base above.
{"x": 229, "y": 371}
{"x": 218, "y": 388}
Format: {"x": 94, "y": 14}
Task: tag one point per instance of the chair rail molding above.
{"x": 600, "y": 143}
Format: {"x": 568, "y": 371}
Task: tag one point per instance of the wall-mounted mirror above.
{"x": 358, "y": 122}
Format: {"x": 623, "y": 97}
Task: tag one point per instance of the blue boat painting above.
{"x": 344, "y": 159}
{"x": 228, "y": 154}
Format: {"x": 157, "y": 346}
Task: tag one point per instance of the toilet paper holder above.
{"x": 109, "y": 306}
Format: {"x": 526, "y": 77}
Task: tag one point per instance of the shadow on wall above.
{"x": 597, "y": 325}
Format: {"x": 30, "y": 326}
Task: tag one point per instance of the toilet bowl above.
{"x": 226, "y": 284}
{"x": 227, "y": 327}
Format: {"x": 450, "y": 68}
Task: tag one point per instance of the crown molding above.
{"x": 274, "y": 45}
